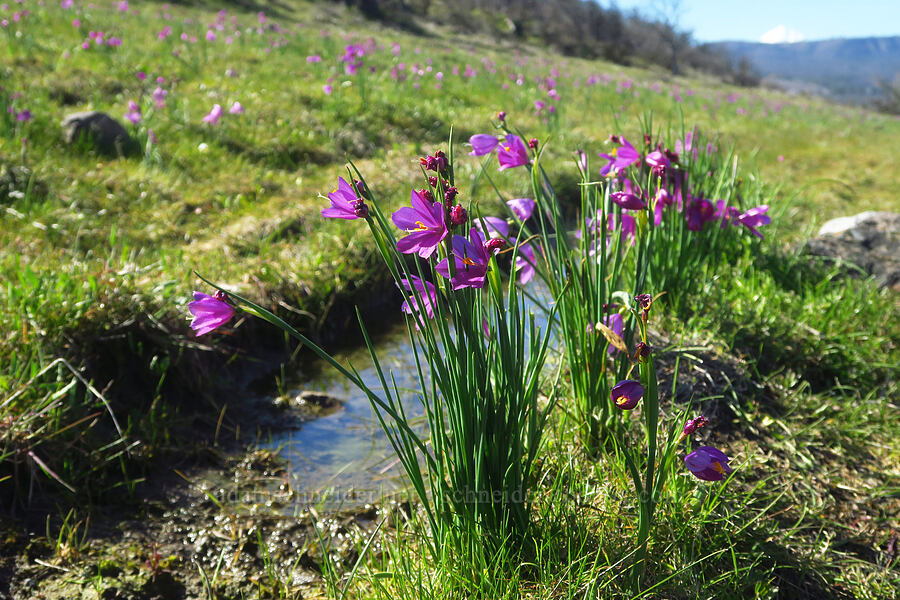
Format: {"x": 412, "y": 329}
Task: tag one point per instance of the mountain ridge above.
{"x": 846, "y": 69}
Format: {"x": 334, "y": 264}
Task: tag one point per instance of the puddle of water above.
{"x": 344, "y": 459}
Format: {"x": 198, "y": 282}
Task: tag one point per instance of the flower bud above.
{"x": 644, "y": 301}
{"x": 450, "y": 194}
{"x": 642, "y": 352}
{"x": 494, "y": 245}
{"x": 501, "y": 116}
{"x": 458, "y": 214}
{"x": 362, "y": 211}
{"x": 693, "y": 425}
{"x": 533, "y": 143}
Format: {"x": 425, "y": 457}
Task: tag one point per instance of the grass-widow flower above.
{"x": 626, "y": 394}
{"x": 424, "y": 222}
{"x": 471, "y": 258}
{"x": 214, "y": 115}
{"x": 525, "y": 262}
{"x": 521, "y": 207}
{"x": 427, "y": 297}
{"x": 628, "y": 200}
{"x": 344, "y": 203}
{"x": 753, "y": 218}
{"x": 512, "y": 153}
{"x": 482, "y": 144}
{"x": 708, "y": 463}
{"x": 209, "y": 312}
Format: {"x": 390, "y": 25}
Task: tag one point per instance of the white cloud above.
{"x": 781, "y": 35}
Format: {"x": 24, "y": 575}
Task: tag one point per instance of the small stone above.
{"x": 867, "y": 243}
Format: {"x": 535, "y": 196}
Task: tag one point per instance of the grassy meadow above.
{"x": 102, "y": 381}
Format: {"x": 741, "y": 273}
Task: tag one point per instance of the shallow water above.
{"x": 344, "y": 459}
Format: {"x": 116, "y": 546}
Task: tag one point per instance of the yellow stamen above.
{"x": 468, "y": 261}
{"x": 717, "y": 467}
{"x": 507, "y": 148}
{"x": 613, "y": 152}
{"x": 421, "y": 227}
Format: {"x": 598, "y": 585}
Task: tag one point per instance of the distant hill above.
{"x": 843, "y": 69}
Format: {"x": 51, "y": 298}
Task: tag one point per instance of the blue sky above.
{"x": 716, "y": 20}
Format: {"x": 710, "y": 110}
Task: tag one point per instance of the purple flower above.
{"x": 424, "y": 222}
{"x": 629, "y": 226}
{"x": 24, "y": 116}
{"x": 626, "y": 394}
{"x": 525, "y": 262}
{"x": 209, "y": 312}
{"x": 619, "y": 158}
{"x": 236, "y": 108}
{"x": 708, "y": 463}
{"x": 753, "y": 218}
{"x": 344, "y": 202}
{"x": 134, "y": 112}
{"x": 471, "y": 259}
{"x": 159, "y": 97}
{"x": 657, "y": 159}
{"x": 482, "y": 144}
{"x": 214, "y": 115}
{"x": 628, "y": 200}
{"x": 427, "y": 295}
{"x": 512, "y": 153}
{"x": 698, "y": 212}
{"x": 521, "y": 207}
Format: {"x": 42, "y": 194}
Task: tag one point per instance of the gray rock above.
{"x": 100, "y": 132}
{"x": 868, "y": 243}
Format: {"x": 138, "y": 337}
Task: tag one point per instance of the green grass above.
{"x": 98, "y": 253}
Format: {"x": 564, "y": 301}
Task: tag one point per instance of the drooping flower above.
{"x": 471, "y": 260}
{"x": 427, "y": 297}
{"x": 615, "y": 322}
{"x": 626, "y": 394}
{"x": 693, "y": 425}
{"x": 424, "y": 222}
{"x": 482, "y": 144}
{"x": 209, "y": 312}
{"x": 521, "y": 207}
{"x": 512, "y": 153}
{"x": 214, "y": 115}
{"x": 753, "y": 218}
{"x": 628, "y": 200}
{"x": 344, "y": 202}
{"x": 708, "y": 463}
